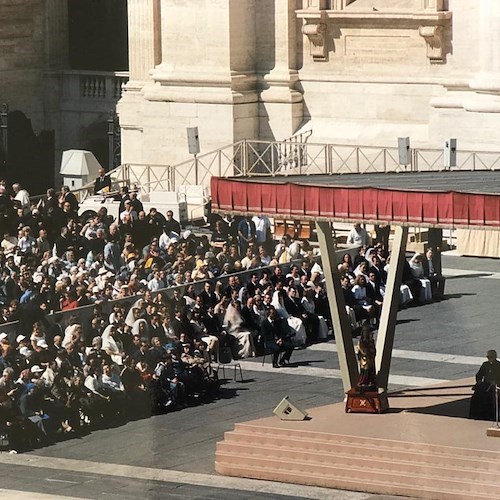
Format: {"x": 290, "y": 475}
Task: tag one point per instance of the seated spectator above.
{"x": 276, "y": 338}
{"x": 361, "y": 296}
{"x": 482, "y": 405}
{"x": 431, "y": 264}
{"x": 233, "y": 324}
{"x": 417, "y": 271}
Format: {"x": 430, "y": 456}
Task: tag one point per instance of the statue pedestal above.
{"x": 365, "y": 402}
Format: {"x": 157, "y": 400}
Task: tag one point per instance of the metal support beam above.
{"x": 387, "y": 327}
{"x": 341, "y": 323}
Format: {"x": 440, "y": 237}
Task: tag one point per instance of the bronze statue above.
{"x": 366, "y": 356}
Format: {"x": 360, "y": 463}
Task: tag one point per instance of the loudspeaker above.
{"x": 450, "y": 153}
{"x": 288, "y": 410}
{"x": 404, "y": 150}
{"x": 193, "y": 140}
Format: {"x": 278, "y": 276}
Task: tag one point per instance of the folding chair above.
{"x": 225, "y": 360}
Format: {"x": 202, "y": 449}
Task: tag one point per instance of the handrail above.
{"x": 255, "y": 158}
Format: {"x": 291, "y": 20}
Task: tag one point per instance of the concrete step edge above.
{"x": 382, "y": 460}
{"x": 377, "y": 442}
{"x": 369, "y": 486}
{"x": 351, "y": 470}
{"x": 293, "y": 442}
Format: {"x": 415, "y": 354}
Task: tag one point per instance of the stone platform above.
{"x": 424, "y": 446}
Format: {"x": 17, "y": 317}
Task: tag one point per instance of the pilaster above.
{"x": 281, "y": 101}
{"x": 143, "y": 39}
{"x": 202, "y": 75}
{"x": 486, "y": 83}
{"x": 56, "y": 34}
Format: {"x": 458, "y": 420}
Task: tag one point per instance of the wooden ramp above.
{"x": 424, "y": 447}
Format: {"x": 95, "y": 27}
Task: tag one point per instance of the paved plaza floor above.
{"x": 172, "y": 456}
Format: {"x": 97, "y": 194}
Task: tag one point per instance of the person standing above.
{"x": 358, "y": 236}
{"x": 102, "y": 183}
{"x": 262, "y": 230}
{"x": 22, "y": 197}
{"x": 246, "y": 234}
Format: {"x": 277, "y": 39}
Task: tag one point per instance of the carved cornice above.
{"x": 430, "y": 24}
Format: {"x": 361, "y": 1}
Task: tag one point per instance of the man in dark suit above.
{"x": 246, "y": 234}
{"x": 276, "y": 341}
{"x": 170, "y": 224}
{"x": 373, "y": 293}
{"x": 68, "y": 197}
{"x": 433, "y": 272}
{"x": 208, "y": 297}
{"x": 294, "y": 307}
{"x": 102, "y": 183}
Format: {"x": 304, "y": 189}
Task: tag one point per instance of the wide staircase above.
{"x": 359, "y": 463}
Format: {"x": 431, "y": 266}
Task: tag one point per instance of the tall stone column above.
{"x": 143, "y": 36}
{"x": 487, "y": 82}
{"x": 206, "y": 78}
{"x": 281, "y": 101}
{"x": 56, "y": 34}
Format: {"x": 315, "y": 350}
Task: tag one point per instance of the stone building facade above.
{"x": 60, "y": 62}
{"x": 357, "y": 71}
{"x": 360, "y": 72}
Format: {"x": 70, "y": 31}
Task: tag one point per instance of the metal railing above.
{"x": 250, "y": 158}
{"x": 254, "y": 158}
{"x": 145, "y": 177}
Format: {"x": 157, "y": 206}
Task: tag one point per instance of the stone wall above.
{"x": 22, "y": 57}
{"x": 361, "y": 71}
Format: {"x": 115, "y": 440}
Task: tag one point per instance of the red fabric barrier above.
{"x": 492, "y": 210}
{"x": 399, "y": 206}
{"x": 312, "y": 201}
{"x": 341, "y": 202}
{"x": 368, "y": 204}
{"x": 223, "y": 194}
{"x": 415, "y": 209}
{"x": 283, "y": 202}
{"x": 384, "y": 201}
{"x": 356, "y": 203}
{"x": 430, "y": 207}
{"x": 445, "y": 208}
{"x": 326, "y": 202}
{"x": 297, "y": 199}
{"x": 476, "y": 209}
{"x": 254, "y": 192}
{"x": 459, "y": 209}
{"x": 370, "y": 200}
{"x": 268, "y": 199}
{"x": 239, "y": 191}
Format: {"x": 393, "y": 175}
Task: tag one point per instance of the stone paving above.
{"x": 460, "y": 328}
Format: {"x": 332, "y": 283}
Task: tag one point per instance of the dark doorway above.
{"x": 98, "y": 35}
{"x": 30, "y": 159}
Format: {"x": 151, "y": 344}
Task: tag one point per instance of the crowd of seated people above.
{"x": 60, "y": 377}
{"x": 364, "y": 279}
{"x": 158, "y": 354}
